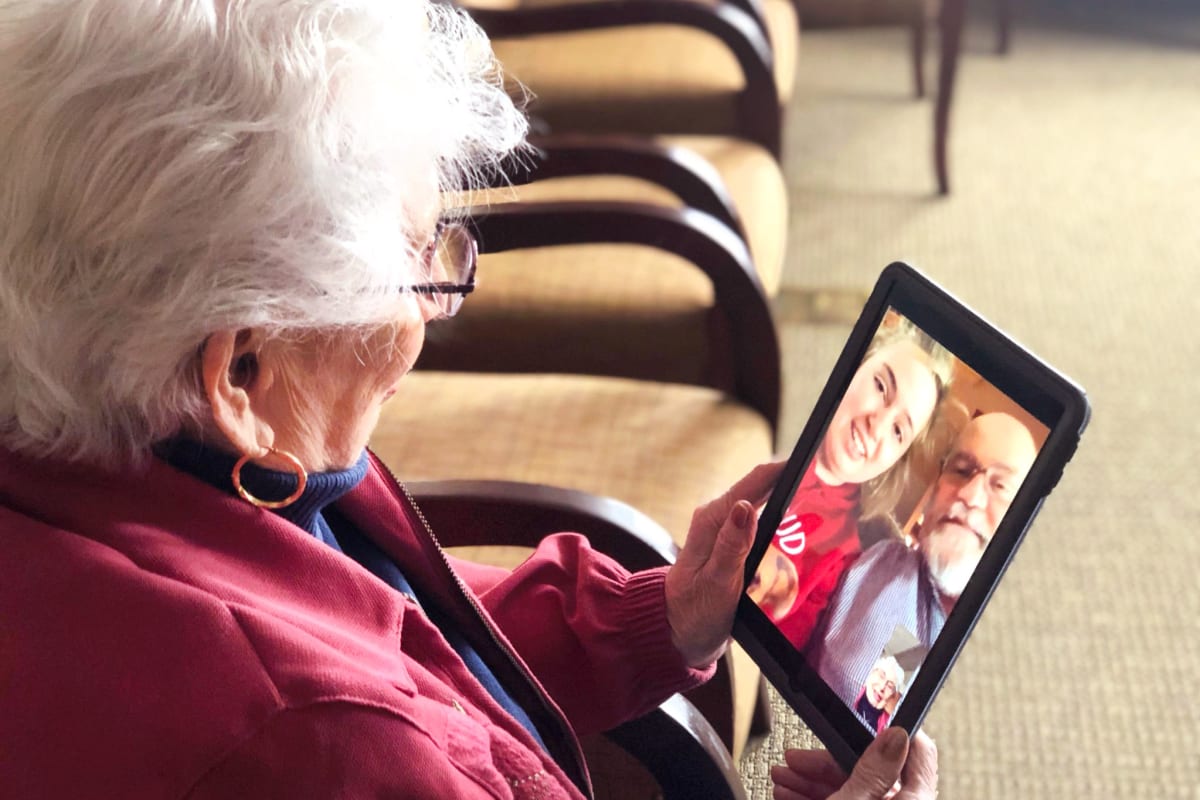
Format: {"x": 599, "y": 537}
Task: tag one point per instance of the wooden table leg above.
{"x": 953, "y": 15}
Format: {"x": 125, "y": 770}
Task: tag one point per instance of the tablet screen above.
{"x": 889, "y": 519}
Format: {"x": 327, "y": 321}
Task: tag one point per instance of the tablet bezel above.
{"x": 1049, "y": 396}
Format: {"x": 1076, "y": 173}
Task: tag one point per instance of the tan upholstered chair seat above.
{"x": 662, "y": 448}
{"x": 642, "y": 79}
{"x": 750, "y": 175}
{"x": 618, "y": 309}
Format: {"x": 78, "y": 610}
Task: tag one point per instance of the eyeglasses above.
{"x": 960, "y": 469}
{"x": 449, "y": 259}
{"x": 888, "y": 684}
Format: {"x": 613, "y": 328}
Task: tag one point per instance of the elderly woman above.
{"x": 880, "y": 694}
{"x": 219, "y": 248}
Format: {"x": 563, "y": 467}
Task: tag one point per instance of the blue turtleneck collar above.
{"x": 216, "y": 468}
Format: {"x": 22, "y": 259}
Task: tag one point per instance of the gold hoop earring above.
{"x": 301, "y": 481}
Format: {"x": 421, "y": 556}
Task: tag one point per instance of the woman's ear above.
{"x": 235, "y": 382}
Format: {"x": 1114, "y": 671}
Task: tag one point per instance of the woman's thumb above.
{"x": 878, "y": 769}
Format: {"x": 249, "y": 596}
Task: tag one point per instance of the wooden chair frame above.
{"x": 684, "y": 173}
{"x": 675, "y": 742}
{"x": 953, "y": 16}
{"x": 950, "y": 24}
{"x": 733, "y": 22}
{"x": 754, "y": 357}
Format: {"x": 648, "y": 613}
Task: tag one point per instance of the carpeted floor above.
{"x": 1074, "y": 224}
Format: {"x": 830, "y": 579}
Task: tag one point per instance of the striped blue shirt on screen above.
{"x": 887, "y": 587}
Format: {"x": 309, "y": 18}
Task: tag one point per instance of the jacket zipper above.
{"x": 576, "y": 751}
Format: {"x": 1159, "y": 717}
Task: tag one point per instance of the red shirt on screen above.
{"x": 819, "y": 533}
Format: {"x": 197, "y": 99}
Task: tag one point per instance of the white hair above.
{"x": 950, "y": 568}
{"x": 171, "y": 168}
{"x": 890, "y": 667}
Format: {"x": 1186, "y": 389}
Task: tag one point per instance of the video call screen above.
{"x": 908, "y": 484}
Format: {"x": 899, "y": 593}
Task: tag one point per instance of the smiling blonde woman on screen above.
{"x": 882, "y": 424}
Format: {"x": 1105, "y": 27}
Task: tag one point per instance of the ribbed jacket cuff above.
{"x": 663, "y": 670}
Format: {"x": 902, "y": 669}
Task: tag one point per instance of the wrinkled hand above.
{"x": 892, "y": 760}
{"x": 704, "y": 584}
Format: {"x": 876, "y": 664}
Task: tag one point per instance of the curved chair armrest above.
{"x": 704, "y": 241}
{"x": 684, "y": 173}
{"x": 752, "y": 8}
{"x": 492, "y": 512}
{"x": 683, "y": 752}
{"x": 742, "y": 33}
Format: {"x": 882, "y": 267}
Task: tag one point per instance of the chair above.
{"x": 605, "y": 298}
{"x": 914, "y": 14}
{"x": 594, "y": 307}
{"x": 732, "y": 179}
{"x": 617, "y": 66}
{"x": 671, "y": 752}
{"x": 660, "y": 446}
{"x": 679, "y": 748}
{"x": 950, "y": 16}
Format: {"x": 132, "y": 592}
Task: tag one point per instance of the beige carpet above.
{"x": 1075, "y": 225}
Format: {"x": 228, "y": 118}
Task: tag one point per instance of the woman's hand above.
{"x": 892, "y": 768}
{"x": 704, "y": 584}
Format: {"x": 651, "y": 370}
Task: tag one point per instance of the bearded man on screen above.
{"x": 891, "y": 586}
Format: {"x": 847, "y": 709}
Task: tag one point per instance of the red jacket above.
{"x": 160, "y": 639}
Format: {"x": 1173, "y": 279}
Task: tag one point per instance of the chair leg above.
{"x": 918, "y": 55}
{"x": 953, "y": 16}
{"x": 1003, "y": 26}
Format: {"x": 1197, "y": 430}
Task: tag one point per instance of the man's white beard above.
{"x": 949, "y": 574}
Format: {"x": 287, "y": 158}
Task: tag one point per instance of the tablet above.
{"x": 928, "y": 454}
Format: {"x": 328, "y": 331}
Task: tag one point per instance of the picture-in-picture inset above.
{"x": 887, "y": 682}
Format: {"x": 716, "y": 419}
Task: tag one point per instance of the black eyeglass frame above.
{"x": 445, "y": 287}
